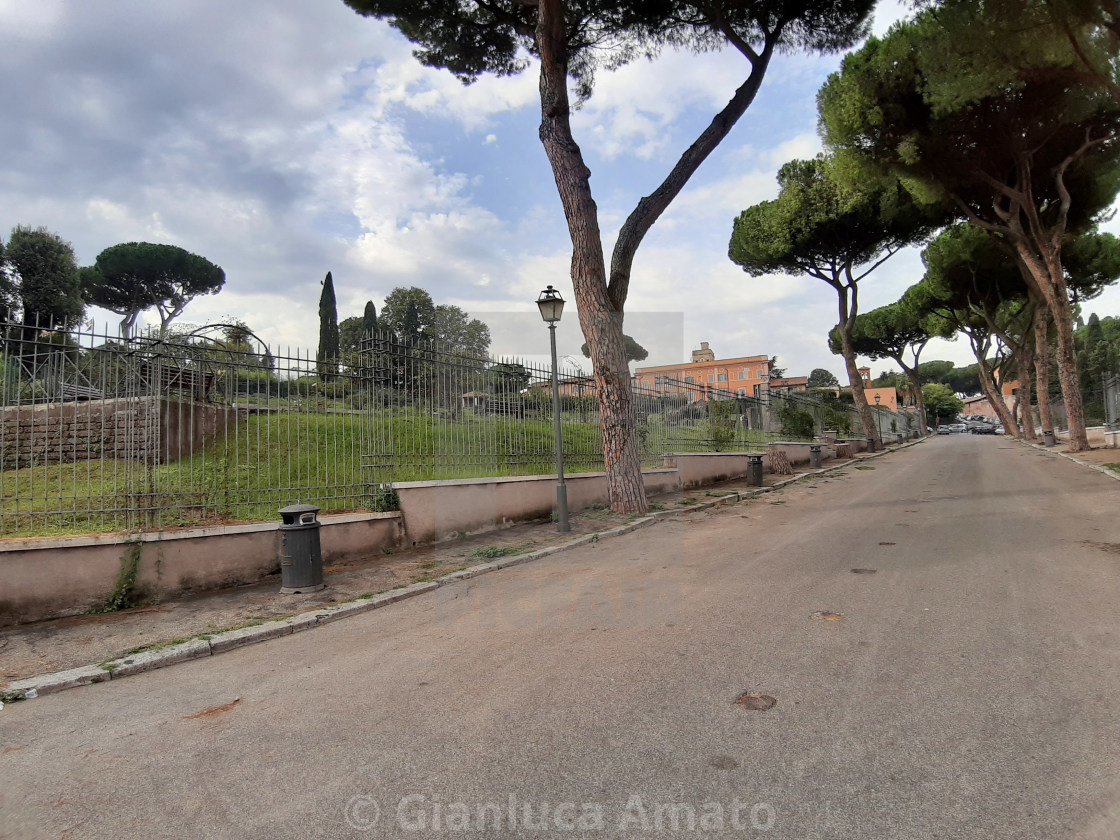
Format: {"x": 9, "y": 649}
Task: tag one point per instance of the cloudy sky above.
{"x": 286, "y": 138}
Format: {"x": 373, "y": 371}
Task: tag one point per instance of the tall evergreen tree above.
{"x": 46, "y": 273}
{"x": 838, "y": 233}
{"x": 1009, "y": 128}
{"x": 369, "y": 318}
{"x": 571, "y": 38}
{"x": 327, "y": 357}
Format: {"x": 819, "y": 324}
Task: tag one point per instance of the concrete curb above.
{"x": 209, "y": 645}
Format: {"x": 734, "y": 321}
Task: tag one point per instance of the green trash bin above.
{"x": 301, "y": 557}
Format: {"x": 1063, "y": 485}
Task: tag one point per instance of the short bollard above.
{"x": 1048, "y": 436}
{"x": 754, "y": 470}
{"x": 815, "y": 456}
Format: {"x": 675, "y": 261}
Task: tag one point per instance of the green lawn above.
{"x": 335, "y": 460}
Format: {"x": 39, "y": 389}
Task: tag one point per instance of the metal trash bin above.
{"x": 754, "y": 470}
{"x": 815, "y": 456}
{"x": 301, "y": 557}
{"x": 1048, "y": 436}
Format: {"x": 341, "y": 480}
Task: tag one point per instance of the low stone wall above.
{"x": 797, "y": 452}
{"x": 61, "y": 433}
{"x": 699, "y": 468}
{"x": 47, "y": 578}
{"x": 437, "y": 510}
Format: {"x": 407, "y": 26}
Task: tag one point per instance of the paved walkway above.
{"x": 66, "y": 643}
{"x": 921, "y": 646}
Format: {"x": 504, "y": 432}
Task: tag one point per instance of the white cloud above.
{"x": 283, "y": 140}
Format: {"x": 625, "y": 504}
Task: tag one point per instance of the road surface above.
{"x": 969, "y": 687}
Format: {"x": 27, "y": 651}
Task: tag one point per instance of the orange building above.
{"x": 888, "y": 397}
{"x": 744, "y": 376}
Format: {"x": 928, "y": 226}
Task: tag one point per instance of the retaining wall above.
{"x": 51, "y": 577}
{"x": 437, "y": 510}
{"x": 47, "y": 577}
{"x": 149, "y": 429}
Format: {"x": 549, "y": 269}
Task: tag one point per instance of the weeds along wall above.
{"x": 103, "y": 433}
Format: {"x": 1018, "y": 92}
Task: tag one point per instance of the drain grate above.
{"x": 864, "y": 571}
{"x": 755, "y": 702}
{"x": 887, "y": 543}
{"x": 827, "y": 615}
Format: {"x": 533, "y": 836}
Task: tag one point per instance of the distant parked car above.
{"x": 999, "y": 430}
{"x": 983, "y": 429}
{"x": 944, "y": 430}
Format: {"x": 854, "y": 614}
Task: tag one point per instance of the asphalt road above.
{"x": 971, "y": 688}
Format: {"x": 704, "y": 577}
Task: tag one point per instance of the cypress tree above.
{"x": 369, "y": 319}
{"x": 327, "y": 357}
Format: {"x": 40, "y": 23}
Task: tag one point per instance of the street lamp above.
{"x": 879, "y": 418}
{"x": 551, "y": 306}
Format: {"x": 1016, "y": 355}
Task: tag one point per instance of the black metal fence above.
{"x": 100, "y": 433}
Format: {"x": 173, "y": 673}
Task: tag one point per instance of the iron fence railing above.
{"x": 1111, "y": 388}
{"x": 102, "y": 433}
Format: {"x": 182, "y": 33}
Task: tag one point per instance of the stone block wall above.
{"x": 62, "y": 433}
{"x": 146, "y": 429}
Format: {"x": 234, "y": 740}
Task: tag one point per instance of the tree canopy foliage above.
{"x": 821, "y": 378}
{"x": 410, "y": 313}
{"x": 1006, "y": 120}
{"x": 134, "y": 276}
{"x": 41, "y": 278}
{"x": 941, "y": 402}
{"x": 352, "y": 330}
{"x": 835, "y": 231}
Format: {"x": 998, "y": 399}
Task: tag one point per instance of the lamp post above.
{"x": 551, "y": 305}
{"x": 879, "y": 418}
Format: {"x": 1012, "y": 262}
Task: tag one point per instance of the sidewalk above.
{"x": 208, "y": 622}
{"x": 1103, "y": 459}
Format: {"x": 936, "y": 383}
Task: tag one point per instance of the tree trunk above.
{"x": 919, "y": 397}
{"x": 1024, "y": 360}
{"x": 1047, "y": 272}
{"x": 1071, "y": 382}
{"x": 847, "y": 317}
{"x": 987, "y": 385}
{"x": 1042, "y": 367}
{"x": 600, "y": 317}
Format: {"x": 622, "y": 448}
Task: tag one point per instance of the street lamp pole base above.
{"x": 562, "y": 524}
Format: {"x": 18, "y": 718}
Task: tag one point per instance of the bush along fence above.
{"x": 101, "y": 433}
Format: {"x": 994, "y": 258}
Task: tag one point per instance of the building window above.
{"x": 689, "y": 380}
{"x": 711, "y": 379}
{"x": 744, "y": 374}
{"x": 722, "y": 377}
{"x": 762, "y": 373}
